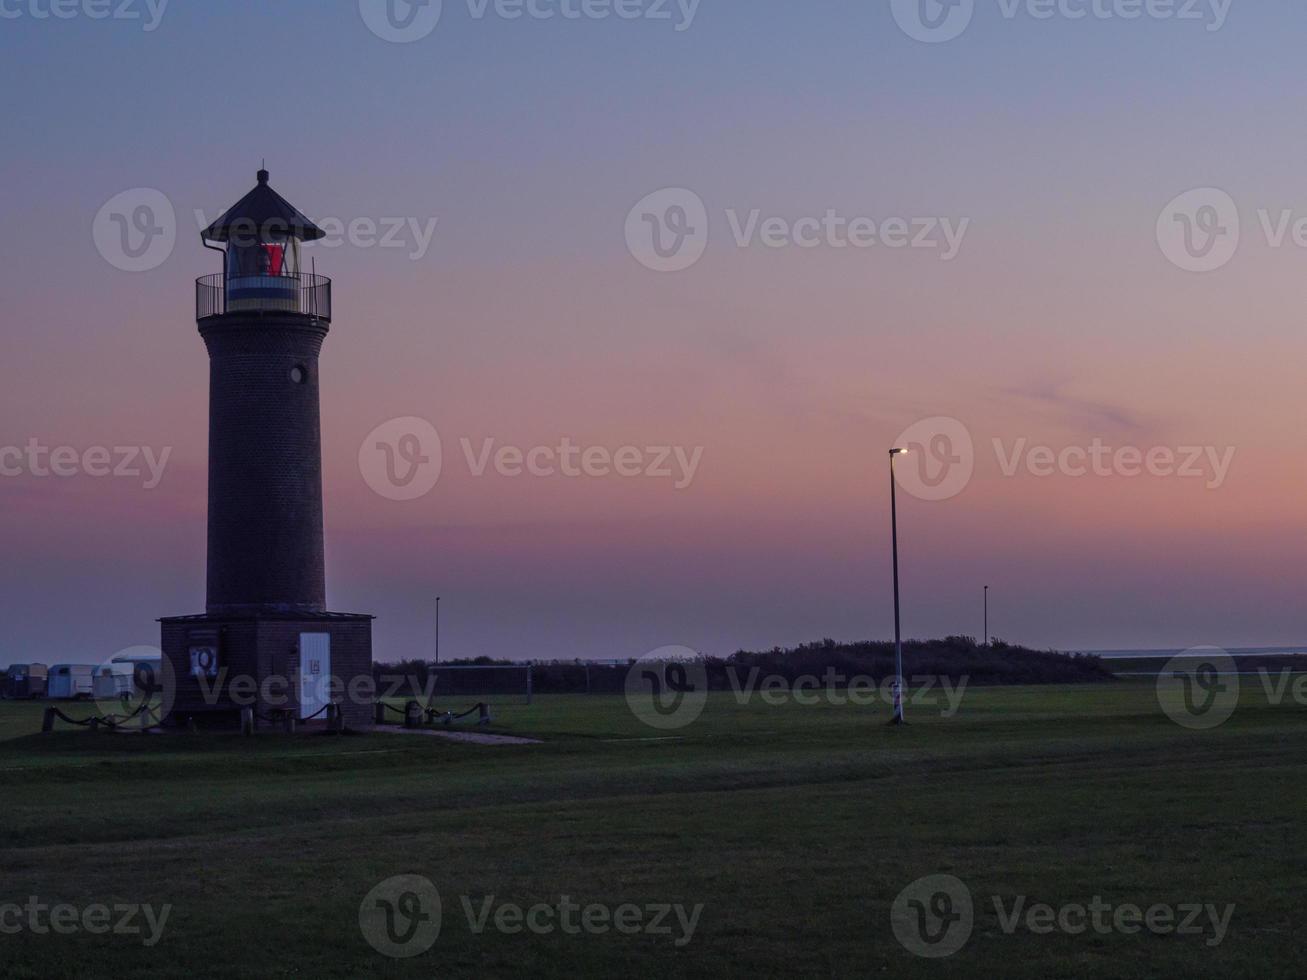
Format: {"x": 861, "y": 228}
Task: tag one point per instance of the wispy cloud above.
{"x": 1080, "y": 413}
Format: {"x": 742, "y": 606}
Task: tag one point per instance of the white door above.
{"x": 315, "y": 672}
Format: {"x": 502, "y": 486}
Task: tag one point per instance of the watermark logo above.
{"x": 928, "y": 691}
{"x": 933, "y": 917}
{"x": 400, "y": 918}
{"x": 836, "y": 231}
{"x": 37, "y": 459}
{"x": 362, "y": 232}
{"x": 933, "y": 21}
{"x": 667, "y": 688}
{"x": 135, "y": 231}
{"x": 1207, "y": 463}
{"x": 667, "y": 231}
{"x": 96, "y": 919}
{"x": 148, "y": 12}
{"x": 1199, "y": 230}
{"x": 570, "y": 460}
{"x": 401, "y": 459}
{"x": 936, "y": 21}
{"x": 405, "y": 21}
{"x": 401, "y": 21}
{"x": 135, "y": 688}
{"x": 1199, "y": 689}
{"x": 940, "y": 460}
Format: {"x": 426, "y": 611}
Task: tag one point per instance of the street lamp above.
{"x": 987, "y": 616}
{"x": 898, "y": 635}
{"x": 437, "y": 629}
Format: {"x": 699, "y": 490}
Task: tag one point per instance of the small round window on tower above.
{"x": 298, "y": 374}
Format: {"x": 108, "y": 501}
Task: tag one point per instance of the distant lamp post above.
{"x": 987, "y": 615}
{"x": 898, "y": 634}
{"x": 437, "y": 629}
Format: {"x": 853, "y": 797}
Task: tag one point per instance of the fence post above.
{"x": 47, "y": 723}
{"x": 530, "y": 682}
{"x": 412, "y": 715}
{"x": 289, "y": 721}
{"x": 379, "y": 713}
{"x": 247, "y": 720}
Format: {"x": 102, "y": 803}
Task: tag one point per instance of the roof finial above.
{"x": 263, "y": 171}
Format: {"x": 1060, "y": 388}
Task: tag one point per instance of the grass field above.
{"x": 794, "y": 826}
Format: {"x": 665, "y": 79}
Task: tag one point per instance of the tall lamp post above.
{"x": 898, "y": 634}
{"x": 987, "y": 616}
{"x": 437, "y": 629}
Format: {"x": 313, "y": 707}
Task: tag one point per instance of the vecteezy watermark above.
{"x": 96, "y": 919}
{"x": 148, "y": 12}
{"x": 1199, "y": 688}
{"x": 134, "y": 689}
{"x": 401, "y": 21}
{"x": 668, "y": 231}
{"x": 941, "y": 460}
{"x": 935, "y": 916}
{"x": 219, "y": 685}
{"x": 135, "y": 230}
{"x": 1201, "y": 230}
{"x": 402, "y": 459}
{"x": 937, "y": 21}
{"x": 406, "y": 21}
{"x": 837, "y": 688}
{"x": 123, "y": 462}
{"x": 1208, "y": 463}
{"x": 667, "y": 688}
{"x": 401, "y": 917}
{"x": 397, "y": 232}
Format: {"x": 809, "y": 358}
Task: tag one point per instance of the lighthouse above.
{"x": 266, "y": 639}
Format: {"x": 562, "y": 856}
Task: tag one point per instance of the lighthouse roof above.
{"x": 260, "y": 211}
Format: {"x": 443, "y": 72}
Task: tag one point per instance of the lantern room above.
{"x": 259, "y": 238}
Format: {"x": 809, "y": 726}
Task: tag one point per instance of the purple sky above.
{"x": 1057, "y": 326}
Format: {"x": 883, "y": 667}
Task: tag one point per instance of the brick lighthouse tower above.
{"x": 266, "y": 624}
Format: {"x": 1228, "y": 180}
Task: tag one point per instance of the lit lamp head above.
{"x": 261, "y": 233}
{"x": 897, "y": 452}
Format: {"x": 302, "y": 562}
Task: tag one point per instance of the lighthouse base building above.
{"x": 280, "y": 664}
{"x": 266, "y": 640}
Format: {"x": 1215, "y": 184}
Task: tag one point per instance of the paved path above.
{"x": 473, "y": 738}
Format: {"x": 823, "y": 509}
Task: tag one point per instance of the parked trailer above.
{"x": 113, "y": 680}
{"x": 37, "y": 679}
{"x": 69, "y": 681}
{"x": 25, "y": 681}
{"x": 127, "y": 675}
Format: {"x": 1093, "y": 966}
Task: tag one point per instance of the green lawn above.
{"x": 795, "y": 827}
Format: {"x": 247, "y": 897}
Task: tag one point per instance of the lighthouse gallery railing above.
{"x": 303, "y": 292}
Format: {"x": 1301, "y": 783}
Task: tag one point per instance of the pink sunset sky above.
{"x": 528, "y": 319}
